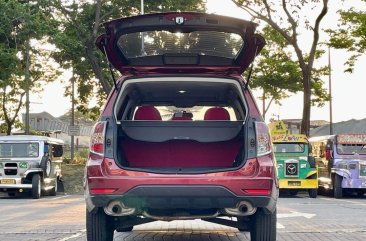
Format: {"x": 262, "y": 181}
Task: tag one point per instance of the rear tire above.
{"x": 263, "y": 226}
{"x": 36, "y": 186}
{"x": 46, "y": 166}
{"x": 338, "y": 191}
{"x": 313, "y": 193}
{"x": 99, "y": 226}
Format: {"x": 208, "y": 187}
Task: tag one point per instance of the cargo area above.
{"x": 181, "y": 126}
{"x": 181, "y": 145}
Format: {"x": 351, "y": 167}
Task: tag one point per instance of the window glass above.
{"x": 19, "y": 149}
{"x": 289, "y": 147}
{"x": 351, "y": 149}
{"x": 152, "y": 43}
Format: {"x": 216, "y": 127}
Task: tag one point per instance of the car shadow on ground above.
{"x": 28, "y": 195}
{"x": 181, "y": 235}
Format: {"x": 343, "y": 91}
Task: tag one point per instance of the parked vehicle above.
{"x": 180, "y": 136}
{"x": 30, "y": 163}
{"x": 296, "y": 168}
{"x": 341, "y": 160}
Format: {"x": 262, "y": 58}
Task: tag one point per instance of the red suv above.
{"x": 180, "y": 136}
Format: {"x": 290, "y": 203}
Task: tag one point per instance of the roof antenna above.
{"x": 251, "y": 66}
{"x": 104, "y": 44}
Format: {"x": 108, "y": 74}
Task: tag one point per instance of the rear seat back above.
{"x": 217, "y": 113}
{"x": 147, "y": 112}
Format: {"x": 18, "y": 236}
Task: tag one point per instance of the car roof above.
{"x": 31, "y": 138}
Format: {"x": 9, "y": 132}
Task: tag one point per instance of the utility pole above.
{"x": 72, "y": 116}
{"x": 27, "y": 85}
{"x": 330, "y": 95}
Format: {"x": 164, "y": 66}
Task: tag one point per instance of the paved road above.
{"x": 62, "y": 218}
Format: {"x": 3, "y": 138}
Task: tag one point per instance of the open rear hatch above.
{"x": 180, "y": 43}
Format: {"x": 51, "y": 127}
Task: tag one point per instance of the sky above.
{"x": 348, "y": 90}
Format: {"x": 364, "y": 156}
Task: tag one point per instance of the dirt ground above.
{"x": 72, "y": 176}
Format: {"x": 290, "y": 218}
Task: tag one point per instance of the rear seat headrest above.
{"x": 147, "y": 112}
{"x": 217, "y": 113}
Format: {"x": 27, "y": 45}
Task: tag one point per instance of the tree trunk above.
{"x": 264, "y": 105}
{"x": 305, "y": 124}
{"x": 9, "y": 127}
{"x": 96, "y": 67}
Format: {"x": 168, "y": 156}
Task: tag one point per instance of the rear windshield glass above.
{"x": 288, "y": 147}
{"x": 351, "y": 149}
{"x": 152, "y": 43}
{"x": 19, "y": 150}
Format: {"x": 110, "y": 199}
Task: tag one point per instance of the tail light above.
{"x": 97, "y": 139}
{"x": 264, "y": 145}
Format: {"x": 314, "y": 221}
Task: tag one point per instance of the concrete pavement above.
{"x": 62, "y": 218}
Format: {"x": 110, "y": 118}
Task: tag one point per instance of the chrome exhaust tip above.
{"x": 117, "y": 208}
{"x": 243, "y": 208}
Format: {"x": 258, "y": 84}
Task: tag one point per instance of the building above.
{"x": 45, "y": 122}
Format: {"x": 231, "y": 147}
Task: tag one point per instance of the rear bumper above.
{"x": 182, "y": 197}
{"x": 15, "y": 186}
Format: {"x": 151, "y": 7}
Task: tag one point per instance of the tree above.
{"x": 22, "y": 64}
{"x": 350, "y": 35}
{"x": 286, "y": 17}
{"x": 80, "y": 24}
{"x": 279, "y": 75}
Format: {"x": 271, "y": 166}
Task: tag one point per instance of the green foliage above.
{"x": 278, "y": 74}
{"x": 23, "y": 27}
{"x": 80, "y": 156}
{"x": 287, "y": 18}
{"x": 350, "y": 35}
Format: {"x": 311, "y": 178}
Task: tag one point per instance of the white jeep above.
{"x": 30, "y": 163}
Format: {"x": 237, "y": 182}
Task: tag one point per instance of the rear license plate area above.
{"x": 294, "y": 183}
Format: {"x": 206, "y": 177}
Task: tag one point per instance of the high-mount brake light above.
{"x": 97, "y": 139}
{"x": 264, "y": 145}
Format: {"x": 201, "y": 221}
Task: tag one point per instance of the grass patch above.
{"x": 72, "y": 175}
